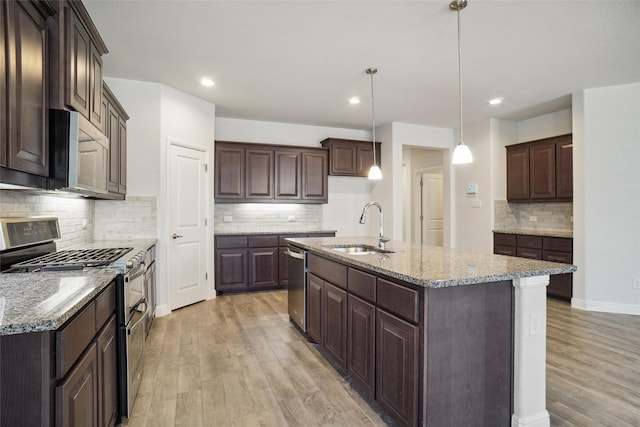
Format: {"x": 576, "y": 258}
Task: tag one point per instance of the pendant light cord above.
{"x": 460, "y": 73}
{"x": 373, "y": 119}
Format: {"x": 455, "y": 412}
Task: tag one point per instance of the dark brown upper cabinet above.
{"x": 265, "y": 173}
{"x": 350, "y": 157}
{"x": 115, "y": 128}
{"x": 540, "y": 171}
{"x": 83, "y": 56}
{"x": 24, "y": 92}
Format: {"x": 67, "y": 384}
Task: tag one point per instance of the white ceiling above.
{"x": 299, "y": 61}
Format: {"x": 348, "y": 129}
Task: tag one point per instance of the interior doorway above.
{"x": 428, "y": 209}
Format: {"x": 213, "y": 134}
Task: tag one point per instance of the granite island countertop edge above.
{"x": 465, "y": 273}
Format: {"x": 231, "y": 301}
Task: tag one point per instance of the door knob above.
{"x": 176, "y": 236}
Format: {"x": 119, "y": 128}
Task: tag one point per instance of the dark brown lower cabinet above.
{"x": 547, "y": 248}
{"x": 314, "y": 308}
{"x": 397, "y": 367}
{"x": 263, "y": 267}
{"x": 107, "y": 375}
{"x": 77, "y": 395}
{"x": 231, "y": 269}
{"x": 335, "y": 323}
{"x": 361, "y": 338}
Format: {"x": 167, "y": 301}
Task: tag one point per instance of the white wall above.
{"x": 160, "y": 115}
{"x": 347, "y": 195}
{"x": 473, "y": 214}
{"x": 607, "y": 198}
{"x": 389, "y": 191}
{"x": 548, "y": 125}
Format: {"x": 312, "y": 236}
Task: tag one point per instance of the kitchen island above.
{"x": 436, "y": 336}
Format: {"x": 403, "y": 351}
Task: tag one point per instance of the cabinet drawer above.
{"x": 398, "y": 299}
{"x": 362, "y": 284}
{"x": 500, "y": 239}
{"x": 505, "y": 250}
{"x": 557, "y": 256}
{"x": 560, "y": 244}
{"x": 263, "y": 241}
{"x": 105, "y": 305}
{"x": 329, "y": 270}
{"x": 532, "y": 242}
{"x": 223, "y": 242}
{"x": 529, "y": 253}
{"x": 73, "y": 338}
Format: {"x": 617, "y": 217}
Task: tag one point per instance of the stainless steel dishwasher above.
{"x": 297, "y": 286}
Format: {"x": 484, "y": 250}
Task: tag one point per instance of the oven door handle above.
{"x": 144, "y": 315}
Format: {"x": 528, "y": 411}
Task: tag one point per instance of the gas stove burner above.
{"x": 78, "y": 258}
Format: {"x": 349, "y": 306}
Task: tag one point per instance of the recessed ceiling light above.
{"x": 206, "y": 81}
{"x": 495, "y": 101}
{"x": 354, "y": 100}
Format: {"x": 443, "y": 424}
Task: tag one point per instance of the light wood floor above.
{"x": 237, "y": 361}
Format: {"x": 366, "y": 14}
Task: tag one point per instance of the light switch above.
{"x": 476, "y": 203}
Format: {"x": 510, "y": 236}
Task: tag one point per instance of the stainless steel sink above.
{"x": 358, "y": 249}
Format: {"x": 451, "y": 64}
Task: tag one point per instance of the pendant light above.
{"x": 374, "y": 173}
{"x": 462, "y": 153}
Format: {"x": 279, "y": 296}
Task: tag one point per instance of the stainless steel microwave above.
{"x": 78, "y": 154}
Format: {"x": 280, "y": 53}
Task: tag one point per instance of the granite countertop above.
{"x": 42, "y": 301}
{"x": 433, "y": 266}
{"x": 272, "y": 231}
{"x": 537, "y": 232}
{"x": 34, "y": 302}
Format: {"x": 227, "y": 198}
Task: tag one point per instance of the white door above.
{"x": 430, "y": 215}
{"x": 187, "y": 260}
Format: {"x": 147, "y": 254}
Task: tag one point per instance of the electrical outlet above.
{"x": 228, "y": 218}
{"x": 533, "y": 219}
{"x": 536, "y": 323}
{"x": 291, "y": 218}
{"x": 636, "y": 283}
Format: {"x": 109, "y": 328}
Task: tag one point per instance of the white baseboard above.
{"x": 607, "y": 307}
{"x": 211, "y": 294}
{"x": 162, "y": 310}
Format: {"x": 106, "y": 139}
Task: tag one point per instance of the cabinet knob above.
{"x": 176, "y": 236}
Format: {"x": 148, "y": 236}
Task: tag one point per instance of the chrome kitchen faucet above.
{"x": 382, "y": 239}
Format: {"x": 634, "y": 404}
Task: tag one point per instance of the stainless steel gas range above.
{"x": 27, "y": 245}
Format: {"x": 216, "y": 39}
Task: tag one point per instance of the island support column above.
{"x": 530, "y": 333}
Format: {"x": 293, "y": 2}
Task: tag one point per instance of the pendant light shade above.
{"x": 462, "y": 153}
{"x": 374, "y": 173}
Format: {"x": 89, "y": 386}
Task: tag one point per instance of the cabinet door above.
{"x": 229, "y": 169}
{"x": 112, "y": 132}
{"x": 365, "y": 158}
{"x": 517, "y": 173}
{"x": 263, "y": 267}
{"x": 107, "y": 375}
{"x": 77, "y": 395}
{"x": 95, "y": 88}
{"x": 122, "y": 149}
{"x": 314, "y": 308}
{"x": 283, "y": 267}
{"x": 564, "y": 168}
{"x": 4, "y": 53}
{"x": 78, "y": 65}
{"x": 361, "y": 333}
{"x": 27, "y": 90}
{"x": 397, "y": 366}
{"x": 288, "y": 176}
{"x": 231, "y": 269}
{"x": 335, "y": 323}
{"x": 259, "y": 174}
{"x": 542, "y": 167}
{"x": 314, "y": 176}
{"x": 343, "y": 159}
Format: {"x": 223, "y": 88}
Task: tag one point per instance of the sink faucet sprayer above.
{"x": 382, "y": 239}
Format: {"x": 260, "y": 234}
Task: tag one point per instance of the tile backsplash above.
{"x": 548, "y": 216}
{"x": 75, "y": 215}
{"x": 277, "y": 217}
{"x": 133, "y": 218}
{"x": 85, "y": 220}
